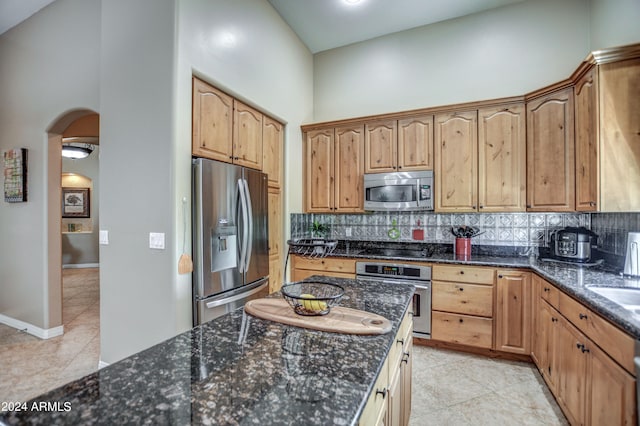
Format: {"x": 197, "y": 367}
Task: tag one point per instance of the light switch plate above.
{"x": 156, "y": 240}
{"x": 103, "y": 237}
{"x": 347, "y": 232}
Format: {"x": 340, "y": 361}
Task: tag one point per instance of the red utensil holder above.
{"x": 463, "y": 247}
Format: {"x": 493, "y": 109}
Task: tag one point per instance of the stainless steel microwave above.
{"x": 398, "y": 191}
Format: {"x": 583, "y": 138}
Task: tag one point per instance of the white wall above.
{"x": 244, "y": 48}
{"x": 502, "y": 52}
{"x": 82, "y": 248}
{"x": 47, "y": 67}
{"x": 614, "y": 23}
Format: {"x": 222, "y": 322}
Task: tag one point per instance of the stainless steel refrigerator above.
{"x": 230, "y": 238}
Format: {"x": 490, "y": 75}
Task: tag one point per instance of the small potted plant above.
{"x": 319, "y": 230}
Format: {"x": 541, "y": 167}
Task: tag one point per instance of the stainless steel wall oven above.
{"x": 402, "y": 274}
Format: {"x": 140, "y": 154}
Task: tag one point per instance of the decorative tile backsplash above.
{"x": 510, "y": 229}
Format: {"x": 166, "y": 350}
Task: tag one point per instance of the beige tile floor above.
{"x": 454, "y": 388}
{"x": 449, "y": 388}
{"x": 31, "y": 366}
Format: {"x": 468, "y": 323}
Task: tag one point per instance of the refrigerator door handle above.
{"x": 250, "y": 233}
{"x": 245, "y": 220}
{"x": 232, "y": 299}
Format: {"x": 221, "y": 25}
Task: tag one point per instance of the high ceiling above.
{"x": 325, "y": 24}
{"x": 12, "y": 12}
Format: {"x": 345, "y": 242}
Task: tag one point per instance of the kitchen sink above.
{"x": 628, "y": 298}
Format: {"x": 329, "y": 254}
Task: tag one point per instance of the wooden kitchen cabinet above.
{"x": 550, "y": 152}
{"x": 586, "y": 361}
{"x": 403, "y": 145}
{"x": 247, "y": 136}
{"x": 304, "y": 267}
{"x": 381, "y": 146}
{"x": 586, "y": 128}
{"x": 273, "y": 151}
{"x": 513, "y": 312}
{"x": 619, "y": 132}
{"x": 502, "y": 159}
{"x": 334, "y": 168}
{"x": 456, "y": 162}
{"x": 212, "y": 122}
{"x": 462, "y": 305}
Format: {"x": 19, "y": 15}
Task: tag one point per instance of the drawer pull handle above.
{"x": 405, "y": 357}
{"x": 382, "y": 392}
{"x": 401, "y": 341}
{"x": 546, "y": 289}
{"x": 554, "y": 319}
{"x": 583, "y": 316}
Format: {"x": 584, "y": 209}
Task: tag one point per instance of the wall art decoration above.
{"x": 15, "y": 175}
{"x": 75, "y": 202}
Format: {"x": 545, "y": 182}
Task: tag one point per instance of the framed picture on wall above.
{"x": 75, "y": 202}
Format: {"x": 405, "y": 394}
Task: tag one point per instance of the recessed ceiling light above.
{"x": 352, "y": 1}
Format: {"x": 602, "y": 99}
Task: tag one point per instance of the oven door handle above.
{"x": 416, "y": 283}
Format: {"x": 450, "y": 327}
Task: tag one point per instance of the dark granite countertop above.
{"x": 573, "y": 279}
{"x": 278, "y": 375}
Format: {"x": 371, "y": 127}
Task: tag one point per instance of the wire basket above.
{"x": 312, "y": 298}
{"x": 314, "y": 248}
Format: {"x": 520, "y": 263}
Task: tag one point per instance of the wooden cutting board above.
{"x": 338, "y": 320}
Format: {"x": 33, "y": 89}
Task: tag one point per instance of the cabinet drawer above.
{"x": 462, "y": 329}
{"x": 377, "y": 401}
{"x": 615, "y": 342}
{"x": 395, "y": 353}
{"x": 575, "y": 312}
{"x": 326, "y": 264}
{"x": 464, "y": 274}
{"x": 471, "y": 299}
{"x": 550, "y": 294}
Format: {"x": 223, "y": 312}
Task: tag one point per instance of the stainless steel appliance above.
{"x": 230, "y": 238}
{"x": 573, "y": 244}
{"x": 397, "y": 273}
{"x": 632, "y": 258}
{"x": 398, "y": 191}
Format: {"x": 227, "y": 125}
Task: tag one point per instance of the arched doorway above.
{"x": 80, "y": 122}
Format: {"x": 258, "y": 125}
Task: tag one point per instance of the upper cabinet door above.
{"x": 319, "y": 171}
{"x": 247, "y": 136}
{"x": 415, "y": 143}
{"x": 212, "y": 122}
{"x": 586, "y": 115}
{"x": 502, "y": 159}
{"x": 456, "y": 153}
{"x": 550, "y": 153}
{"x": 272, "y": 151}
{"x": 619, "y": 87}
{"x": 381, "y": 140}
{"x": 348, "y": 169}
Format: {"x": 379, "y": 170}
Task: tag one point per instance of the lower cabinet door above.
{"x": 406, "y": 366}
{"x": 375, "y": 411}
{"x": 462, "y": 329}
{"x": 611, "y": 395}
{"x": 394, "y": 414}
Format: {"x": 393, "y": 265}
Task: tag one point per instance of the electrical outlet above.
{"x": 347, "y": 232}
{"x": 156, "y": 240}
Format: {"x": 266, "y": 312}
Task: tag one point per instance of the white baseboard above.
{"x": 102, "y": 364}
{"x": 80, "y": 265}
{"x": 43, "y": 333}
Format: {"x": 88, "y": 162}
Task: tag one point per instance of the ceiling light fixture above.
{"x": 79, "y": 147}
{"x": 352, "y": 1}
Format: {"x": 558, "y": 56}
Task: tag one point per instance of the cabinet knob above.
{"x": 461, "y": 289}
{"x": 399, "y": 167}
{"x": 473, "y": 207}
{"x": 382, "y": 392}
{"x": 461, "y": 272}
{"x": 528, "y": 206}
{"x": 461, "y": 320}
{"x": 582, "y": 316}
{"x": 499, "y": 276}
{"x": 481, "y": 206}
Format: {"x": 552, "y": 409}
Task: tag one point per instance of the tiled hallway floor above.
{"x": 31, "y": 366}
{"x": 454, "y": 388}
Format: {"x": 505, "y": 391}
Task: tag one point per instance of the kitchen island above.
{"x": 275, "y": 374}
